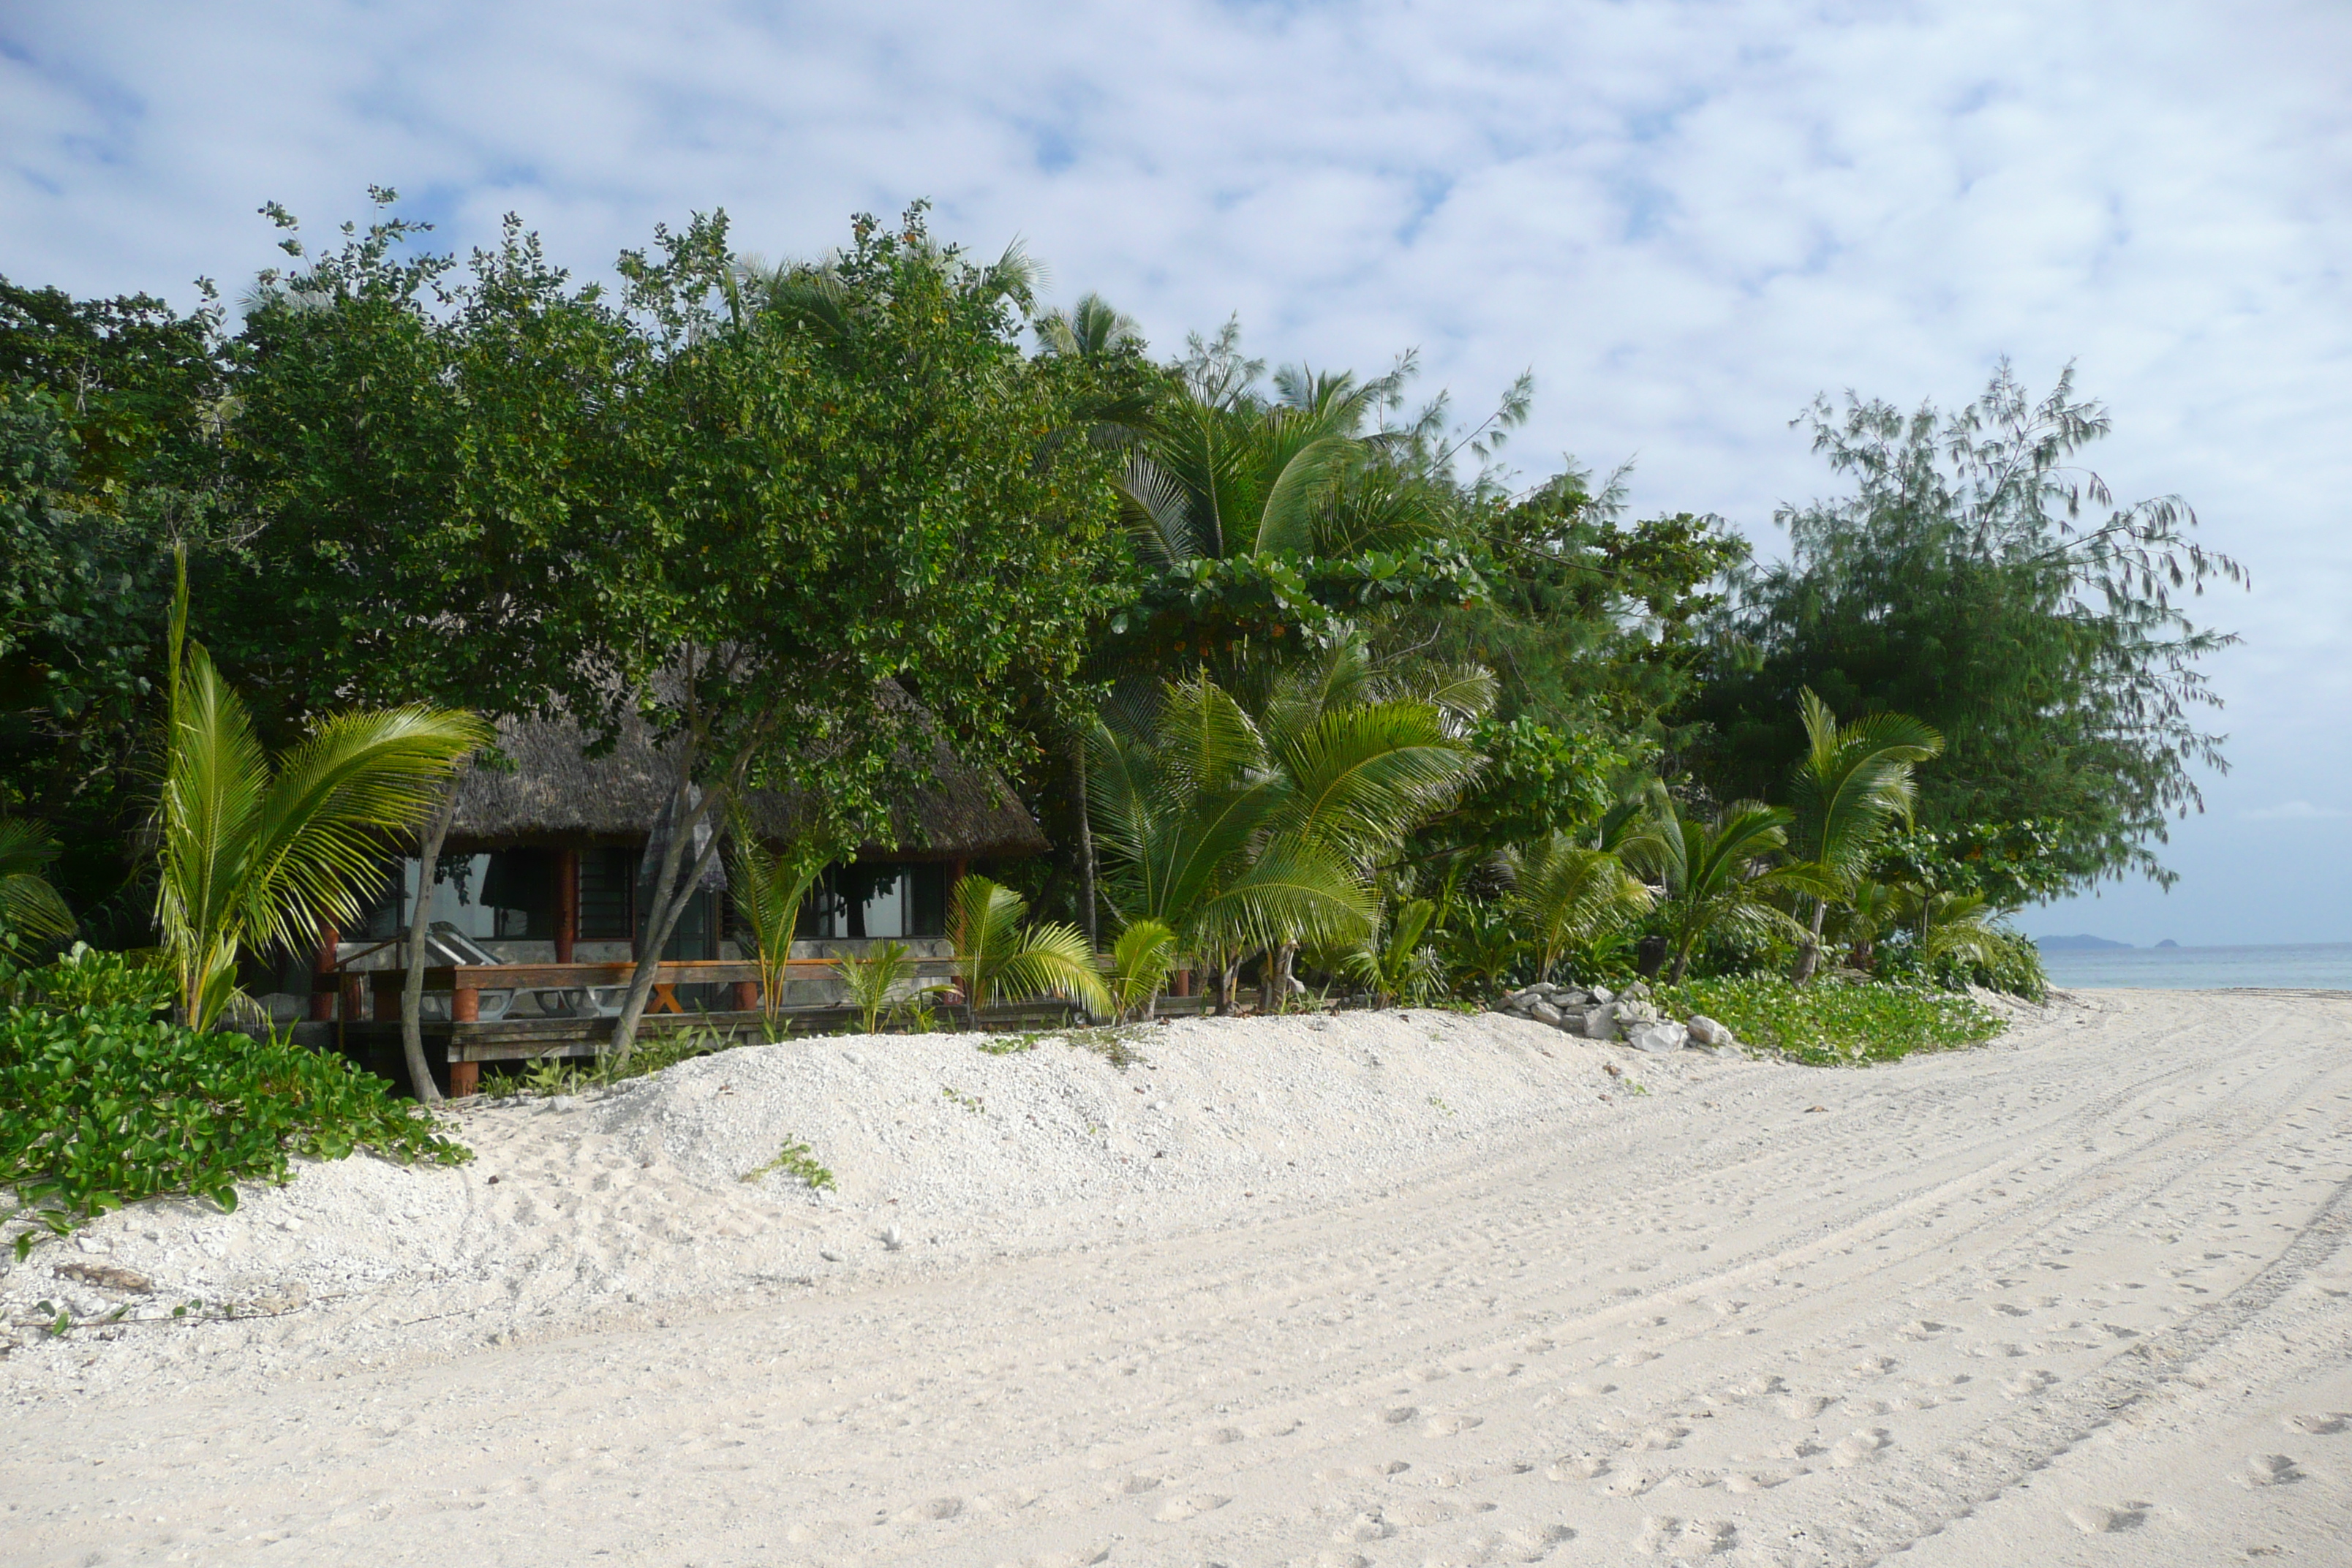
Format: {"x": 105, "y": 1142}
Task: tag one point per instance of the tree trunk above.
{"x": 1086, "y": 857}
{"x": 1809, "y": 953}
{"x": 670, "y": 896}
{"x": 412, "y": 988}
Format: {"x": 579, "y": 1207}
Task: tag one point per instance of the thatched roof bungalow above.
{"x": 543, "y": 861}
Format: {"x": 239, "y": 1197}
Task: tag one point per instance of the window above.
{"x": 608, "y": 882}
{"x": 875, "y": 900}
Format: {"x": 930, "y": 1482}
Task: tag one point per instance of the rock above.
{"x": 1707, "y": 1032}
{"x": 106, "y": 1277}
{"x": 1545, "y": 1012}
{"x": 1603, "y": 995}
{"x": 1601, "y": 1023}
{"x": 1637, "y": 992}
{"x": 1572, "y": 997}
{"x": 1659, "y": 1040}
{"x": 1545, "y": 989}
{"x": 1634, "y": 1012}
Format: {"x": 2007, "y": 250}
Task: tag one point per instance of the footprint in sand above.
{"x": 1852, "y": 1450}
{"x": 1133, "y": 1485}
{"x": 1176, "y": 1509}
{"x": 2028, "y": 1383}
{"x": 1449, "y": 1425}
{"x": 2270, "y": 1470}
{"x": 2093, "y": 1520}
{"x": 1402, "y": 1413}
{"x": 1802, "y": 1406}
{"x": 1577, "y": 1467}
{"x": 1221, "y": 1435}
{"x": 2324, "y": 1424}
{"x": 1684, "y": 1538}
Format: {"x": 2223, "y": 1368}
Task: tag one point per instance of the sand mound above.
{"x": 951, "y": 1147}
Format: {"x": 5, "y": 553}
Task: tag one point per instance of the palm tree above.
{"x": 1713, "y": 877}
{"x": 1003, "y": 962}
{"x": 769, "y": 885}
{"x": 255, "y": 855}
{"x": 1091, "y": 328}
{"x": 872, "y": 978}
{"x": 1227, "y": 473}
{"x": 1872, "y": 909}
{"x": 1397, "y": 963}
{"x": 1960, "y": 925}
{"x": 1140, "y": 962}
{"x": 1566, "y": 892}
{"x": 1246, "y": 834}
{"x": 1854, "y": 781}
{"x": 29, "y": 907}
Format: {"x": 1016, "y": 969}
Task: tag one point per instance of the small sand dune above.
{"x": 1391, "y": 1288}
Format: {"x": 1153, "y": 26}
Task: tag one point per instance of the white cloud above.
{"x": 1687, "y": 219}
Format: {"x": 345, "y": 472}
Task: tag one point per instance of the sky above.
{"x": 1686, "y": 219}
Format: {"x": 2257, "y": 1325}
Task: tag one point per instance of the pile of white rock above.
{"x": 1631, "y": 1015}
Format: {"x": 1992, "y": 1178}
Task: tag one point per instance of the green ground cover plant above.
{"x": 795, "y": 1159}
{"x": 1833, "y": 1020}
{"x": 104, "y": 1101}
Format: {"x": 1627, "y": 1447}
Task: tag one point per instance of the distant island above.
{"x": 2082, "y": 941}
{"x": 2168, "y": 941}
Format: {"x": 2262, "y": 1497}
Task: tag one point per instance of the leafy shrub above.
{"x": 102, "y": 1102}
{"x": 1835, "y": 1020}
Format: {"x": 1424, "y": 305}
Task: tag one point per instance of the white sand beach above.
{"x": 1396, "y": 1289}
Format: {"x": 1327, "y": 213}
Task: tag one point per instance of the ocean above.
{"x": 2319, "y": 965}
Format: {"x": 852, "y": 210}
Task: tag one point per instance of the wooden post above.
{"x": 747, "y": 996}
{"x": 465, "y": 1008}
{"x": 322, "y": 995}
{"x": 1184, "y": 986}
{"x": 567, "y": 903}
{"x": 353, "y": 989}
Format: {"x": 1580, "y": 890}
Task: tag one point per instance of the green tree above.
{"x": 1976, "y": 578}
{"x": 1854, "y": 783}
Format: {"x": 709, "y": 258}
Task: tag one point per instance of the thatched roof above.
{"x": 555, "y": 793}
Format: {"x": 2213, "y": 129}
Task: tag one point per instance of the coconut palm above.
{"x": 1002, "y": 962}
{"x": 1854, "y": 781}
{"x": 1397, "y": 964}
{"x": 1091, "y": 328}
{"x": 1565, "y": 893}
{"x": 1960, "y": 925}
{"x": 1226, "y": 473}
{"x": 256, "y": 855}
{"x": 1246, "y": 834}
{"x": 1141, "y": 963}
{"x": 872, "y": 979}
{"x": 1713, "y": 875}
{"x": 1872, "y": 909}
{"x": 29, "y": 907}
{"x": 769, "y": 885}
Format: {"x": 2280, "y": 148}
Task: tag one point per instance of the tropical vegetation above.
{"x": 1311, "y": 691}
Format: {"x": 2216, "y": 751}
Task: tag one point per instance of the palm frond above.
{"x": 29, "y": 905}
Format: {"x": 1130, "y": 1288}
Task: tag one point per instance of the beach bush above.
{"x": 1835, "y": 1020}
{"x": 103, "y": 1100}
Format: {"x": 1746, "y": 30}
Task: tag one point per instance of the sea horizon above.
{"x": 2311, "y": 965}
